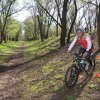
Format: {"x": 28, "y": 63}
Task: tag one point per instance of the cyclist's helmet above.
{"x": 86, "y": 30}
{"x": 79, "y": 30}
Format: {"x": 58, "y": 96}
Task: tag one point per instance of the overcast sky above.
{"x": 22, "y": 15}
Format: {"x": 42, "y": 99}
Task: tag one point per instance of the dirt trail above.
{"x": 10, "y": 81}
{"x": 16, "y": 58}
{"x": 11, "y": 87}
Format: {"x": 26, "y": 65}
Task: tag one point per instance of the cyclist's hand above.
{"x": 68, "y": 53}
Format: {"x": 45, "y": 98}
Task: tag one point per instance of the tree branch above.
{"x": 58, "y": 10}
{"x": 17, "y": 11}
{"x": 89, "y": 2}
{"x": 50, "y": 14}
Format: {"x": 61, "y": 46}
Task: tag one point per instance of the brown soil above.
{"x": 11, "y": 87}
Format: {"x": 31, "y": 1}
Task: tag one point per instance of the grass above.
{"x": 38, "y": 48}
{"x": 8, "y": 49}
{"x": 33, "y": 48}
{"x": 44, "y": 78}
{"x": 5, "y": 52}
{"x": 47, "y": 80}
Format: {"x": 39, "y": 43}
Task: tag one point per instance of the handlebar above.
{"x": 78, "y": 56}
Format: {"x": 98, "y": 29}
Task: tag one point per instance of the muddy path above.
{"x": 10, "y": 75}
{"x": 9, "y": 79}
{"x": 15, "y": 73}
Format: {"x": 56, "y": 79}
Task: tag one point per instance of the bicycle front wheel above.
{"x": 71, "y": 76}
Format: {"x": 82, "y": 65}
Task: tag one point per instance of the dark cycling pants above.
{"x": 82, "y": 51}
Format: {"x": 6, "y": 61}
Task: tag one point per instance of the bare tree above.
{"x": 98, "y": 26}
{"x": 4, "y": 16}
{"x": 64, "y": 23}
{"x": 73, "y": 22}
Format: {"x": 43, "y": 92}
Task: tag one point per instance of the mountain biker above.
{"x": 85, "y": 42}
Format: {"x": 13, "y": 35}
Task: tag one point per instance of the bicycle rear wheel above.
{"x": 71, "y": 76}
{"x": 91, "y": 68}
{"x": 93, "y": 63}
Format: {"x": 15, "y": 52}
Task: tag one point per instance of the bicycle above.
{"x": 80, "y": 65}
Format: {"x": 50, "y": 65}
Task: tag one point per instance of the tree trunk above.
{"x": 57, "y": 28}
{"x": 46, "y": 36}
{"x": 95, "y": 25}
{"x": 1, "y": 37}
{"x": 63, "y": 23}
{"x": 5, "y": 37}
{"x": 98, "y": 27}
{"x": 17, "y": 36}
{"x": 48, "y": 27}
{"x": 50, "y": 14}
{"x": 89, "y": 23}
{"x": 35, "y": 29}
{"x": 70, "y": 30}
{"x": 41, "y": 29}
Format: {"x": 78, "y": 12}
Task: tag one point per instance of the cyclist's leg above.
{"x": 88, "y": 57}
{"x": 81, "y": 51}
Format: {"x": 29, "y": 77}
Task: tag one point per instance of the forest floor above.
{"x": 38, "y": 74}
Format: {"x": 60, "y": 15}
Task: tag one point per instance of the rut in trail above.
{"x": 10, "y": 87}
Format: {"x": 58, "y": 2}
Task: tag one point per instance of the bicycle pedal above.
{"x": 73, "y": 75}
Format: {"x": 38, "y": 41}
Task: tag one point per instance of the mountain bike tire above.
{"x": 71, "y": 76}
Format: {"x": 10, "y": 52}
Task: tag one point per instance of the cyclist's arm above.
{"x": 72, "y": 44}
{"x": 89, "y": 43}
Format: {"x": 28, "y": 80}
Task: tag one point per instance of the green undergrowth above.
{"x": 5, "y": 52}
{"x": 13, "y": 44}
{"x": 41, "y": 48}
{"x": 46, "y": 80}
{"x": 8, "y": 49}
{"x": 32, "y": 48}
{"x": 43, "y": 81}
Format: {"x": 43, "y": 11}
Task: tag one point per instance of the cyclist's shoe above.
{"x": 91, "y": 67}
{"x": 92, "y": 56}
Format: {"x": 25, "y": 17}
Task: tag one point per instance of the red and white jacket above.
{"x": 85, "y": 42}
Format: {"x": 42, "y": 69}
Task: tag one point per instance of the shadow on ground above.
{"x": 4, "y": 68}
{"x": 71, "y": 93}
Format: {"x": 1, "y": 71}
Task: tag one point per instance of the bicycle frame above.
{"x": 80, "y": 63}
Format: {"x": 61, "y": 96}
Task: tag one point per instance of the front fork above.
{"x": 74, "y": 70}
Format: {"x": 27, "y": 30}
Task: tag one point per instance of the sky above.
{"x": 22, "y": 15}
